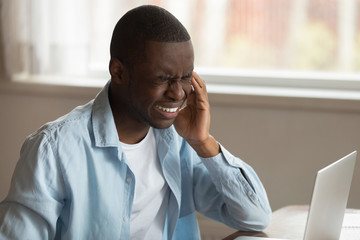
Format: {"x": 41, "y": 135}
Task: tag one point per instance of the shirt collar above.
{"x": 103, "y": 120}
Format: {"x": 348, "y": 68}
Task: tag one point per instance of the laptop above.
{"x": 328, "y": 202}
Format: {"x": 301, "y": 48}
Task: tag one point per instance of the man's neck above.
{"x": 130, "y": 132}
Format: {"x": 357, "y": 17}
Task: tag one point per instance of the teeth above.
{"x": 167, "y": 109}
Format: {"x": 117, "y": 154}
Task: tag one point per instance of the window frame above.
{"x": 228, "y": 85}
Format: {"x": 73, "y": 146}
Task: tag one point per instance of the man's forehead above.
{"x": 168, "y": 50}
{"x": 170, "y": 58}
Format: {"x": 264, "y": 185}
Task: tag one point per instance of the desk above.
{"x": 289, "y": 223}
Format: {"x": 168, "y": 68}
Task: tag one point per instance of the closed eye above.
{"x": 187, "y": 77}
{"x": 164, "y": 79}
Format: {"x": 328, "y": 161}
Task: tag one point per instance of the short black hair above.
{"x": 141, "y": 24}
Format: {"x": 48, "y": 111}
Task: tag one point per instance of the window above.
{"x": 317, "y": 38}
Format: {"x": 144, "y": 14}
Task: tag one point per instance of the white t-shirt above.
{"x": 151, "y": 190}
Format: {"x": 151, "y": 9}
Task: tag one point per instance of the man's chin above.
{"x": 163, "y": 124}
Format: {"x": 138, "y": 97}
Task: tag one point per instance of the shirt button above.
{"x": 250, "y": 193}
{"x": 126, "y": 219}
{"x": 128, "y": 179}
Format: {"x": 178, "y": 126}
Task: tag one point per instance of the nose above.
{"x": 175, "y": 91}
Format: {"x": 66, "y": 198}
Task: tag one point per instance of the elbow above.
{"x": 259, "y": 223}
{"x": 264, "y": 222}
{"x": 256, "y": 221}
{"x": 264, "y": 218}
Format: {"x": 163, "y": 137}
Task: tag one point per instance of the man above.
{"x": 138, "y": 160}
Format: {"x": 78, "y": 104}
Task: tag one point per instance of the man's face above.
{"x": 159, "y": 84}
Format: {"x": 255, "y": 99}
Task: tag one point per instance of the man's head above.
{"x": 142, "y": 24}
{"x": 151, "y": 66}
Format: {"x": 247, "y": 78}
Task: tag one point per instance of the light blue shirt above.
{"x": 72, "y": 182}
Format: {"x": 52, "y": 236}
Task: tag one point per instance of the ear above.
{"x": 117, "y": 71}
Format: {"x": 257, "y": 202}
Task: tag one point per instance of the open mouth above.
{"x": 169, "y": 110}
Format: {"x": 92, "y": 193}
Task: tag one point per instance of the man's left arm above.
{"x": 238, "y": 199}
{"x": 241, "y": 191}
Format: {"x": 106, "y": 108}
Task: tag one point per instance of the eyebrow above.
{"x": 171, "y": 77}
{"x": 187, "y": 75}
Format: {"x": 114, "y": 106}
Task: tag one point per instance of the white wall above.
{"x": 285, "y": 140}
{"x": 287, "y": 144}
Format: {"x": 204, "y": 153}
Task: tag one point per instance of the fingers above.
{"x": 199, "y": 87}
{"x": 198, "y": 84}
{"x": 197, "y": 81}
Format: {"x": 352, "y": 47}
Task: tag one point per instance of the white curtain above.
{"x": 64, "y": 37}
{"x": 45, "y": 37}
{"x": 72, "y": 37}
